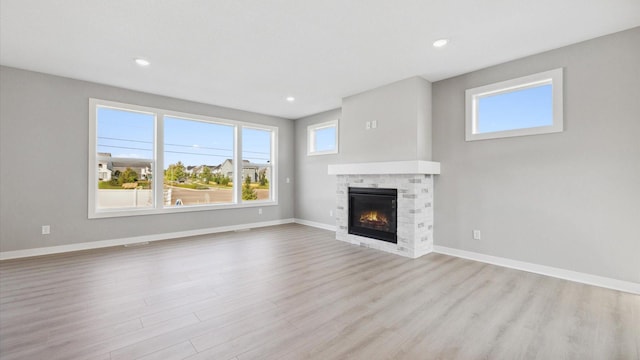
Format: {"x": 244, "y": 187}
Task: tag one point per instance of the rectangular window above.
{"x": 256, "y": 164}
{"x": 148, "y": 161}
{"x": 193, "y": 154}
{"x": 125, "y": 159}
{"x": 528, "y": 105}
{"x": 322, "y": 138}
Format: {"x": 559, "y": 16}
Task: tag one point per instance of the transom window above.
{"x": 146, "y": 160}
{"x": 524, "y": 106}
{"x": 322, "y": 138}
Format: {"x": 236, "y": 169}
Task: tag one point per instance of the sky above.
{"x": 325, "y": 139}
{"x": 532, "y": 107}
{"x": 130, "y": 135}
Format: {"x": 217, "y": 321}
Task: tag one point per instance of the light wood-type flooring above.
{"x": 293, "y": 292}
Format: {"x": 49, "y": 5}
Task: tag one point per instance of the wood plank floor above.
{"x": 292, "y": 292}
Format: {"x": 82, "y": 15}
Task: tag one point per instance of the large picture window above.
{"x": 193, "y": 154}
{"x": 146, "y": 161}
{"x": 528, "y": 105}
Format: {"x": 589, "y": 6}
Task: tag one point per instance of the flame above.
{"x": 374, "y": 218}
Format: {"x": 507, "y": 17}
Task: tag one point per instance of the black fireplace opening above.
{"x": 373, "y": 213}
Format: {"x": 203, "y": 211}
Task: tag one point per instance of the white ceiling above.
{"x": 251, "y": 54}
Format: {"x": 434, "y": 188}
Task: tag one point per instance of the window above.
{"x": 256, "y": 164}
{"x": 528, "y": 105}
{"x": 322, "y": 138}
{"x": 148, "y": 161}
{"x": 125, "y": 158}
{"x": 194, "y": 152}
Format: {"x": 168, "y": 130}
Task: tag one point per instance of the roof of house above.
{"x": 133, "y": 165}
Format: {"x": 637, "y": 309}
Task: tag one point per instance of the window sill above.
{"x": 176, "y": 209}
{"x": 330, "y": 152}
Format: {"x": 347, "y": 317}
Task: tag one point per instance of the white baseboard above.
{"x": 315, "y": 224}
{"x": 601, "y": 281}
{"x": 16, "y": 254}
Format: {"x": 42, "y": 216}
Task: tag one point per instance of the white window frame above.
{"x": 238, "y": 168}
{"x": 158, "y": 180}
{"x": 311, "y": 137}
{"x": 472, "y": 97}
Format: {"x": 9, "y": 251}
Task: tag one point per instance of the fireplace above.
{"x": 412, "y": 216}
{"x": 373, "y": 213}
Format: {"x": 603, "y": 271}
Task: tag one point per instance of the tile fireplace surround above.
{"x": 414, "y": 182}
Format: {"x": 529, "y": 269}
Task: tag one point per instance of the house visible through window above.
{"x": 125, "y": 158}
{"x": 193, "y": 154}
{"x": 146, "y": 161}
{"x": 256, "y": 163}
{"x": 322, "y": 138}
{"x": 524, "y": 106}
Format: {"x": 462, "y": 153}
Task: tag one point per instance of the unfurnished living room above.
{"x": 323, "y": 179}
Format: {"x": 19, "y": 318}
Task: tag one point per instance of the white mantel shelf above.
{"x": 386, "y": 167}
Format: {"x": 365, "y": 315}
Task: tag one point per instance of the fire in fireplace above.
{"x": 374, "y": 220}
{"x": 372, "y": 213}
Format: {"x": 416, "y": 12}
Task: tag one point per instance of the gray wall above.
{"x": 315, "y": 190}
{"x": 402, "y": 110}
{"x": 569, "y": 200}
{"x": 44, "y": 123}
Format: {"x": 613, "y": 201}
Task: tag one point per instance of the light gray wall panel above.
{"x": 424, "y": 132}
{"x": 315, "y": 189}
{"x": 569, "y": 200}
{"x": 400, "y": 134}
{"x": 44, "y": 123}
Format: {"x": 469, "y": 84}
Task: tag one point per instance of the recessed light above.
{"x": 142, "y": 62}
{"x": 290, "y": 99}
{"x": 440, "y": 43}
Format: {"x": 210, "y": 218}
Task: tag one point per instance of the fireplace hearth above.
{"x": 373, "y": 213}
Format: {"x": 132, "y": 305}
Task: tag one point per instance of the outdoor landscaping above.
{"x": 181, "y": 187}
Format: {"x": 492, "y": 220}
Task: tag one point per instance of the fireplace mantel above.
{"x": 387, "y": 167}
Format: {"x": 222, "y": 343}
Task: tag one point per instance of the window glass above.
{"x": 256, "y": 164}
{"x": 124, "y": 159}
{"x": 322, "y": 138}
{"x": 526, "y": 108}
{"x": 125, "y": 134}
{"x": 325, "y": 139}
{"x": 196, "y": 159}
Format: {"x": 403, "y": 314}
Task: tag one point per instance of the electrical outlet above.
{"x": 260, "y": 211}
{"x": 368, "y": 126}
{"x": 46, "y": 229}
{"x": 374, "y": 124}
{"x": 288, "y": 180}
{"x": 476, "y": 235}
{"x": 331, "y": 213}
